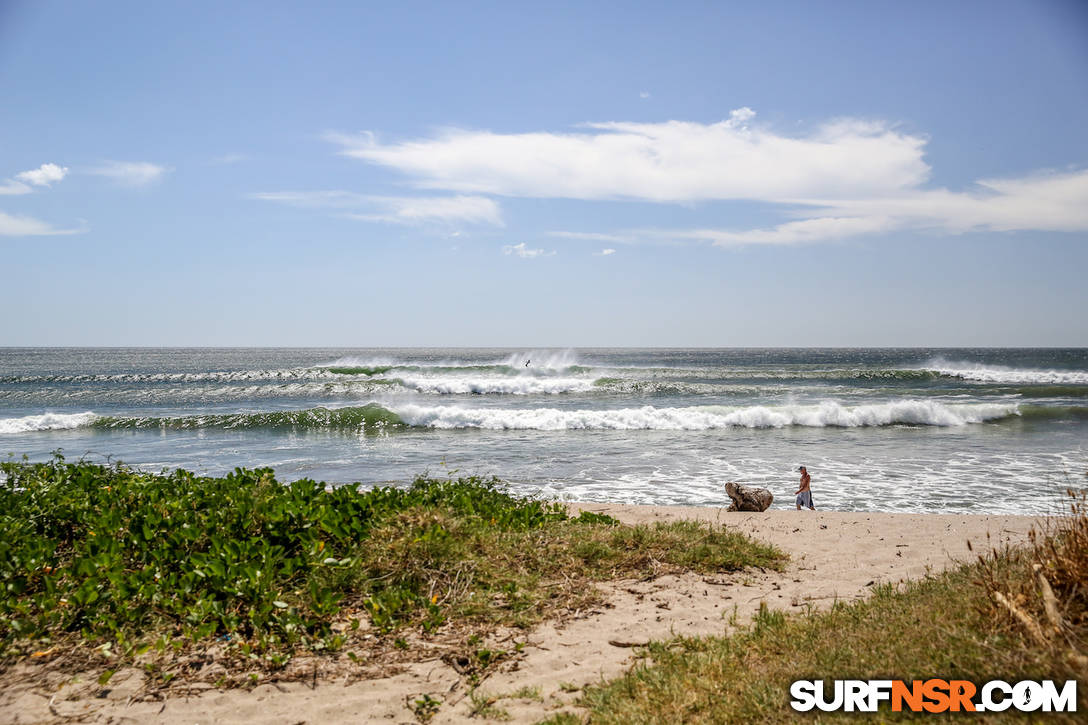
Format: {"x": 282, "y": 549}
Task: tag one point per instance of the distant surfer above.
{"x": 527, "y": 363}
{"x": 804, "y": 493}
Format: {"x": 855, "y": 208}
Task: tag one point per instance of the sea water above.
{"x": 902, "y": 430}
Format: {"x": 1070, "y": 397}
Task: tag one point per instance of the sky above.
{"x": 711, "y": 174}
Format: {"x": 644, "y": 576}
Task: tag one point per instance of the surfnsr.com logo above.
{"x": 934, "y": 696}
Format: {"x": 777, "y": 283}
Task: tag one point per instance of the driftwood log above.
{"x": 748, "y": 498}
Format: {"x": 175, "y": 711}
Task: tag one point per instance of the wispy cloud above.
{"x": 229, "y": 159}
{"x": 413, "y": 210}
{"x": 315, "y": 199}
{"x": 13, "y": 187}
{"x": 604, "y": 252}
{"x": 521, "y": 250}
{"x": 1041, "y": 202}
{"x": 592, "y": 236}
{"x": 25, "y": 226}
{"x": 395, "y": 209}
{"x": 644, "y": 95}
{"x": 131, "y": 173}
{"x": 1048, "y": 202}
{"x": 24, "y": 181}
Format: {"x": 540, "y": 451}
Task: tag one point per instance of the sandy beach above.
{"x": 833, "y": 556}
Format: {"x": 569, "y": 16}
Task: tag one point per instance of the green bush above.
{"x": 112, "y": 553}
{"x": 106, "y": 554}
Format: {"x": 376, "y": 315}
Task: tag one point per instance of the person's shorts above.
{"x": 804, "y": 499}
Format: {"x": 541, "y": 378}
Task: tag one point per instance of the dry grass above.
{"x": 488, "y": 575}
{"x": 1043, "y": 592}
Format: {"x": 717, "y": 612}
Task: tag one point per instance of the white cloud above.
{"x": 846, "y": 178}
{"x": 1041, "y": 202}
{"x": 644, "y": 95}
{"x": 1045, "y": 202}
{"x": 24, "y": 181}
{"x": 604, "y": 252}
{"x": 44, "y": 175}
{"x": 395, "y": 209}
{"x": 673, "y": 161}
{"x": 524, "y": 252}
{"x": 131, "y": 173}
{"x": 24, "y": 226}
{"x": 740, "y": 116}
{"x": 1049, "y": 202}
{"x": 413, "y": 210}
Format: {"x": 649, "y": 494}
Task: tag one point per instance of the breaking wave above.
{"x": 368, "y": 418}
{"x": 830, "y": 414}
{"x": 478, "y": 385}
{"x": 376, "y": 418}
{"x": 46, "y": 421}
{"x": 1010, "y": 376}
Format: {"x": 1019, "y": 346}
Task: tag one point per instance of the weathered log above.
{"x": 748, "y": 498}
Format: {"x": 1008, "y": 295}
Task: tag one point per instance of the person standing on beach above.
{"x": 804, "y": 494}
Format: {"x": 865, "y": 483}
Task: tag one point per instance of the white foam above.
{"x": 1013, "y": 376}
{"x": 46, "y": 421}
{"x": 483, "y": 385}
{"x": 828, "y": 414}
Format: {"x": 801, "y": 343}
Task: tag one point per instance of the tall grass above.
{"x": 1043, "y": 592}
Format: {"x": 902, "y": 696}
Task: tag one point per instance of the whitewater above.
{"x": 985, "y": 431}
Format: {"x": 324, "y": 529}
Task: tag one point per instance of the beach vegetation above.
{"x": 105, "y": 556}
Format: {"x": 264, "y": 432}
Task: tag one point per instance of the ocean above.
{"x": 899, "y": 430}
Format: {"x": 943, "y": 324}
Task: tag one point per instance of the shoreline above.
{"x": 835, "y": 556}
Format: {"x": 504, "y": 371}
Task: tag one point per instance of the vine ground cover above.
{"x": 112, "y": 559}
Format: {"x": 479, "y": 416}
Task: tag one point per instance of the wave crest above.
{"x": 46, "y": 421}
{"x": 829, "y": 414}
{"x": 367, "y": 418}
{"x": 1012, "y": 376}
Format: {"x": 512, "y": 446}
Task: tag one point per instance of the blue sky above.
{"x": 563, "y": 174}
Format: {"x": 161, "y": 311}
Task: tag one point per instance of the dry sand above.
{"x": 834, "y": 555}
